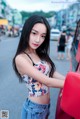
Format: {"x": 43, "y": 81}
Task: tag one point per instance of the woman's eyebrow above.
{"x": 34, "y": 30}
{"x": 37, "y": 31}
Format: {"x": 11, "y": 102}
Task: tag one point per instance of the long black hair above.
{"x": 43, "y": 50}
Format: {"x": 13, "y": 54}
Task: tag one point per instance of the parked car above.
{"x": 54, "y": 34}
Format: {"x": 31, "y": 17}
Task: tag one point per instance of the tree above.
{"x": 25, "y": 14}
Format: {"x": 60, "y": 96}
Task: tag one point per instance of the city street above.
{"x": 13, "y": 93}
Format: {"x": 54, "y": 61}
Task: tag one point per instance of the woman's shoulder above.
{"x": 21, "y": 58}
{"x": 22, "y": 61}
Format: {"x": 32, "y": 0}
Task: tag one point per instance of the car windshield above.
{"x": 55, "y": 32}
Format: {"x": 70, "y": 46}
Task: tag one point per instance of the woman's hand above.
{"x": 61, "y": 93}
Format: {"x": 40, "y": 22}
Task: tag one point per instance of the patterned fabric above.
{"x": 36, "y": 88}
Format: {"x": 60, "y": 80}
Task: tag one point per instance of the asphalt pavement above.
{"x": 63, "y": 67}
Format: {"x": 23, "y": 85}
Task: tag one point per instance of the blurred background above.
{"x": 61, "y": 14}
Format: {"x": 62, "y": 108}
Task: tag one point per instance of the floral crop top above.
{"x": 36, "y": 88}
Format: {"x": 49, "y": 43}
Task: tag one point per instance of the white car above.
{"x": 54, "y": 34}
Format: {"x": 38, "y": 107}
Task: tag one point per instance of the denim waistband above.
{"x": 29, "y": 102}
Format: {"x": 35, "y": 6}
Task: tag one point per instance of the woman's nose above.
{"x": 37, "y": 38}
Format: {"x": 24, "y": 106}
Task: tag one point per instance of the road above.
{"x": 13, "y": 93}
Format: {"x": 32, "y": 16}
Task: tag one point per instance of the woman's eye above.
{"x": 33, "y": 33}
{"x": 43, "y": 37}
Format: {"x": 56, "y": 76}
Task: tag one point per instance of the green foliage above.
{"x": 25, "y": 14}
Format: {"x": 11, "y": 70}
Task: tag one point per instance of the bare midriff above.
{"x": 44, "y": 99}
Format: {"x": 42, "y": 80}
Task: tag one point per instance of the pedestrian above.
{"x": 69, "y": 46}
{"x": 34, "y": 67}
{"x": 61, "y": 45}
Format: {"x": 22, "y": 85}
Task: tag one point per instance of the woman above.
{"x": 61, "y": 45}
{"x": 69, "y": 46}
{"x": 33, "y": 65}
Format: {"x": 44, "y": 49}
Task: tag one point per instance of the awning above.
{"x": 3, "y": 22}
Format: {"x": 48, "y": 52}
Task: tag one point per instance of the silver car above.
{"x": 54, "y": 34}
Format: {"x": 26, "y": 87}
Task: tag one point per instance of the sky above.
{"x": 37, "y": 5}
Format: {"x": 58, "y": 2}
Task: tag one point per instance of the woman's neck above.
{"x": 30, "y": 51}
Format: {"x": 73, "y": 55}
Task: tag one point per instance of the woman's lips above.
{"x": 36, "y": 44}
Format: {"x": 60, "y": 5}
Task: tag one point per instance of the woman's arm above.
{"x": 58, "y": 40}
{"x": 58, "y": 75}
{"x": 25, "y": 67}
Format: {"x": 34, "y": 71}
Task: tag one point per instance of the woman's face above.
{"x": 37, "y": 35}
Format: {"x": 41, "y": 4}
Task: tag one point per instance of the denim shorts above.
{"x": 33, "y": 110}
